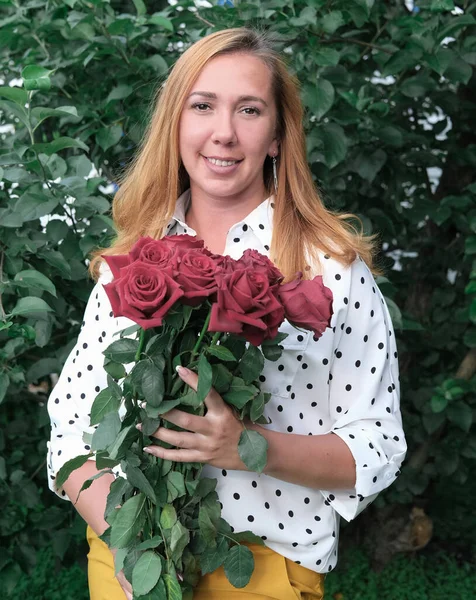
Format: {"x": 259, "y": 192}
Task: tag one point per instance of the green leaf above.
{"x": 257, "y": 407}
{"x": 239, "y": 393}
{"x": 107, "y": 431}
{"x": 58, "y": 261}
{"x": 213, "y": 558}
{"x": 168, "y": 516}
{"x": 122, "y": 351}
{"x": 206, "y": 526}
{"x": 45, "y": 366}
{"x": 69, "y": 467}
{"x": 253, "y": 450}
{"x": 252, "y": 364}
{"x": 454, "y": 25}
{"x": 179, "y": 538}
{"x": 460, "y": 414}
{"x": 368, "y": 165}
{"x": 129, "y": 521}
{"x": 332, "y": 21}
{"x": 159, "y": 592}
{"x": 400, "y": 61}
{"x": 221, "y": 352}
{"x": 118, "y": 489}
{"x": 442, "y": 5}
{"x": 239, "y": 566}
{"x": 106, "y": 401}
{"x": 119, "y": 93}
{"x": 319, "y": 98}
{"x": 31, "y": 307}
{"x": 222, "y": 378}
{"x": 175, "y": 486}
{"x": 4, "y": 383}
{"x": 459, "y": 71}
{"x": 146, "y": 573}
{"x": 438, "y": 403}
{"x": 205, "y": 376}
{"x": 36, "y": 78}
{"x": 335, "y": 144}
{"x": 151, "y": 543}
{"x": 15, "y": 94}
{"x": 109, "y": 136}
{"x": 141, "y": 10}
{"x": 469, "y": 338}
{"x": 152, "y": 384}
{"x": 118, "y": 447}
{"x": 326, "y": 57}
{"x": 157, "y": 63}
{"x": 174, "y": 591}
{"x": 161, "y": 21}
{"x": 60, "y": 143}
{"x": 40, "y": 113}
{"x": 472, "y": 311}
{"x": 138, "y": 480}
{"x": 247, "y": 536}
{"x": 272, "y": 352}
{"x": 114, "y": 369}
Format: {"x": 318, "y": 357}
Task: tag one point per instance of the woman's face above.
{"x": 227, "y": 128}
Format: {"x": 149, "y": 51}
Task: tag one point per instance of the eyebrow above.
{"x": 213, "y": 96}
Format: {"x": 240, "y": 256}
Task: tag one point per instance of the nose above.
{"x": 223, "y": 129}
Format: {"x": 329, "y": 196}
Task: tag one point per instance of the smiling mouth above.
{"x": 222, "y": 163}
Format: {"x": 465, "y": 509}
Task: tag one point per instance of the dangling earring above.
{"x": 275, "y": 175}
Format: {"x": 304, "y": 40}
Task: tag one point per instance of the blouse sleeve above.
{"x": 81, "y": 379}
{"x": 364, "y": 389}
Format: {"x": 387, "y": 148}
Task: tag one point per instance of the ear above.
{"x": 273, "y": 149}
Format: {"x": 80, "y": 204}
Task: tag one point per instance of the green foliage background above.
{"x": 390, "y": 97}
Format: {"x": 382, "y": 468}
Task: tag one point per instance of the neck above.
{"x": 213, "y": 217}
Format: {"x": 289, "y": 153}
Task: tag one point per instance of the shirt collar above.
{"x": 259, "y": 220}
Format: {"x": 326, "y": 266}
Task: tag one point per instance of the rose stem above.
{"x": 202, "y": 335}
{"x": 141, "y": 345}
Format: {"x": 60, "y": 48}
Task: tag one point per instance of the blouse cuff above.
{"x": 374, "y": 473}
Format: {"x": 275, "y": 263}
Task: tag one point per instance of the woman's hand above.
{"x": 211, "y": 439}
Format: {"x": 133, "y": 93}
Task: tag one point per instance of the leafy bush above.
{"x": 389, "y": 94}
{"x": 427, "y": 577}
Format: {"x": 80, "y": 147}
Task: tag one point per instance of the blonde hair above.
{"x": 148, "y": 189}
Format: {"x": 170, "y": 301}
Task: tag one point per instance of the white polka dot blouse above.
{"x": 346, "y": 382}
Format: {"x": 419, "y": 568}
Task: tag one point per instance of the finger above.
{"x": 213, "y": 401}
{"x": 181, "y": 439}
{"x": 175, "y": 455}
{"x": 185, "y": 420}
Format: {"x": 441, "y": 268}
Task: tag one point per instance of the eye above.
{"x": 251, "y": 110}
{"x": 201, "y": 106}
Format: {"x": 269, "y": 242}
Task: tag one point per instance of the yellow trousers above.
{"x": 274, "y": 578}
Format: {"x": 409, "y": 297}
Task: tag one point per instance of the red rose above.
{"x": 307, "y": 304}
{"x": 252, "y": 259}
{"x": 246, "y": 304}
{"x": 182, "y": 243}
{"x": 143, "y": 293}
{"x": 225, "y": 264}
{"x": 196, "y": 275}
{"x": 154, "y": 252}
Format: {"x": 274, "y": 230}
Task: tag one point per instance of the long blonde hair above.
{"x": 150, "y": 186}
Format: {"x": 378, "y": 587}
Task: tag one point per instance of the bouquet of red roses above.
{"x": 219, "y": 317}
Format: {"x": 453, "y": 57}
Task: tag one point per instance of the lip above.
{"x": 223, "y": 157}
{"x": 221, "y": 170}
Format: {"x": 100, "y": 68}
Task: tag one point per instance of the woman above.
{"x": 226, "y": 139}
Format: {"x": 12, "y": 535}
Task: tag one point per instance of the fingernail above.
{"x": 139, "y": 426}
{"x": 148, "y": 450}
{"x": 182, "y": 371}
